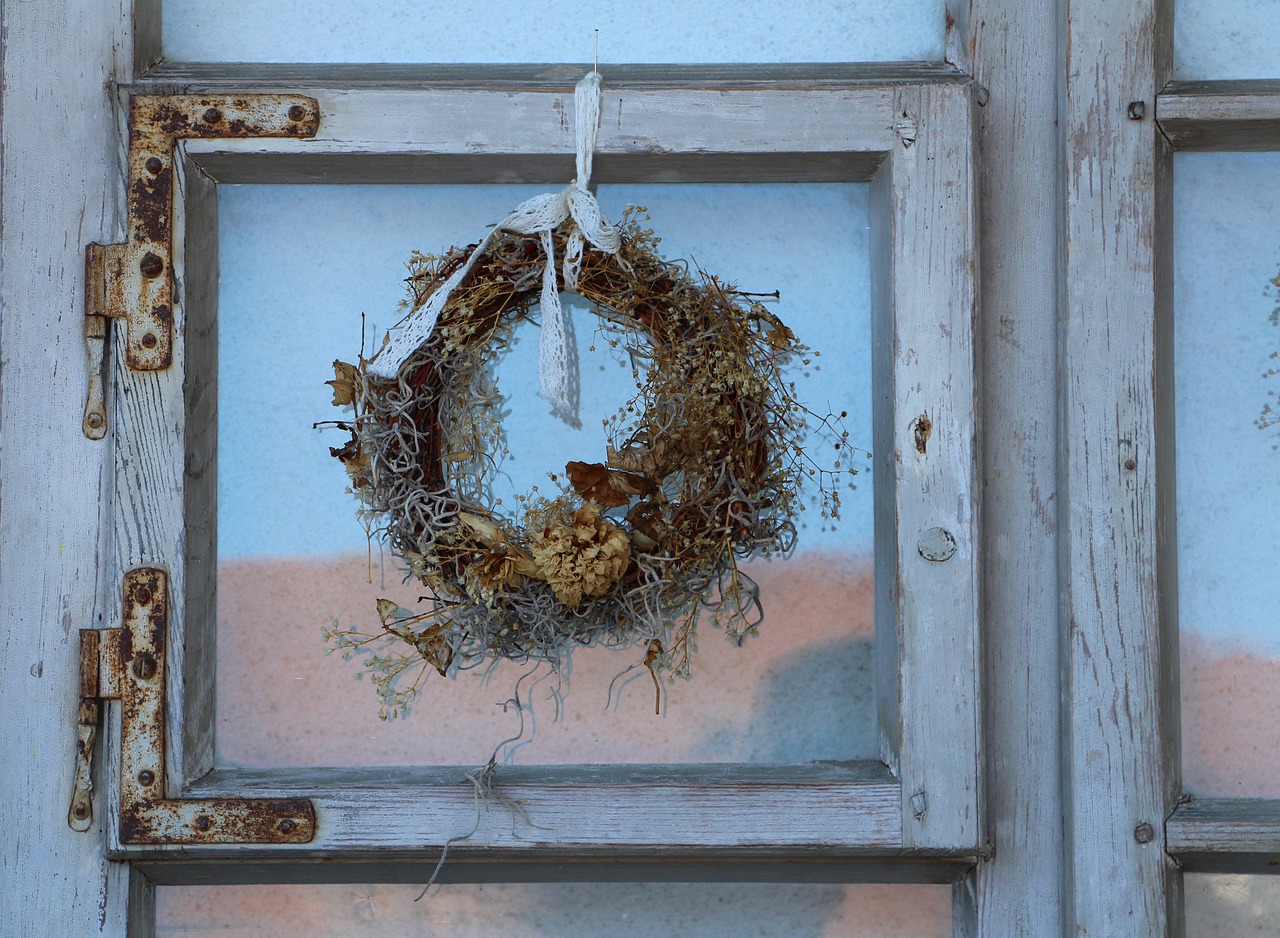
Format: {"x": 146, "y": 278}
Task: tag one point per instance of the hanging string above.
{"x": 540, "y": 216}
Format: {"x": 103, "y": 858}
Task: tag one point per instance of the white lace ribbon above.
{"x": 540, "y": 215}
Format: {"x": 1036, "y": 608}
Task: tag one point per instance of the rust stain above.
{"x": 135, "y": 289}
{"x": 923, "y": 428}
{"x": 146, "y": 815}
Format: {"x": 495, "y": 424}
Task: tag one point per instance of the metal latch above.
{"x": 134, "y": 280}
{"x": 128, "y": 664}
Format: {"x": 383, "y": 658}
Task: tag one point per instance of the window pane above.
{"x": 1228, "y": 471}
{"x": 1236, "y": 905}
{"x": 695, "y": 910}
{"x": 690, "y": 31}
{"x": 299, "y": 264}
{"x": 1225, "y": 39}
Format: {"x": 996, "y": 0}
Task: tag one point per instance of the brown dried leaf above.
{"x": 435, "y": 648}
{"x": 354, "y": 458}
{"x": 607, "y": 487}
{"x": 345, "y": 380}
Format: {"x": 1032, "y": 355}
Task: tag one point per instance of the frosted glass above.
{"x": 619, "y": 910}
{"x": 299, "y": 264}
{"x": 1227, "y": 250}
{"x": 689, "y": 31}
{"x": 1241, "y": 906}
{"x": 1226, "y": 39}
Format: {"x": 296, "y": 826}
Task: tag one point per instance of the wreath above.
{"x": 638, "y": 544}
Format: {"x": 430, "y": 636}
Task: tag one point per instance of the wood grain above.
{"x": 1221, "y": 115}
{"x": 1121, "y": 748}
{"x": 60, "y": 188}
{"x": 1017, "y": 889}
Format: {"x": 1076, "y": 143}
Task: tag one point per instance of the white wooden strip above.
{"x": 663, "y": 122}
{"x": 1017, "y": 889}
{"x": 1226, "y": 835}
{"x": 1221, "y": 115}
{"x": 609, "y": 810}
{"x": 191, "y": 661}
{"x": 934, "y": 464}
{"x": 1122, "y": 768}
{"x": 60, "y": 188}
{"x": 561, "y": 77}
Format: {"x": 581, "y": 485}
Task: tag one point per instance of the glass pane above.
{"x": 299, "y": 264}
{"x": 1228, "y": 470}
{"x": 1231, "y": 904}
{"x": 688, "y": 31}
{"x": 1226, "y": 39}
{"x": 696, "y": 910}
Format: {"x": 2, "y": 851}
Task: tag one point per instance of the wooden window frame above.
{"x": 915, "y": 816}
{"x": 1221, "y": 835}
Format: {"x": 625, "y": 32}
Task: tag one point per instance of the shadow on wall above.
{"x": 568, "y": 910}
{"x": 801, "y": 690}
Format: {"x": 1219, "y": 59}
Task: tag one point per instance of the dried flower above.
{"x": 583, "y": 558}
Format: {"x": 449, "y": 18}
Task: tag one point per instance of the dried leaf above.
{"x": 345, "y": 379}
{"x": 607, "y": 487}
{"x": 387, "y": 610}
{"x": 486, "y": 531}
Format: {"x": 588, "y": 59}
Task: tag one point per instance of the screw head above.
{"x": 142, "y": 596}
{"x": 297, "y": 112}
{"x": 1137, "y": 110}
{"x": 1144, "y": 833}
{"x": 146, "y": 777}
{"x": 286, "y": 826}
{"x": 1131, "y": 464}
{"x": 144, "y": 667}
{"x": 80, "y": 811}
{"x": 203, "y": 823}
{"x": 149, "y": 340}
{"x": 151, "y": 265}
{"x": 154, "y": 165}
{"x": 212, "y": 116}
{"x": 94, "y": 420}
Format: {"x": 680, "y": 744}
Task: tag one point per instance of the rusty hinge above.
{"x": 128, "y": 664}
{"x": 133, "y": 281}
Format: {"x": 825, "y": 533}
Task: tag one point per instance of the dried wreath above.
{"x": 701, "y": 471}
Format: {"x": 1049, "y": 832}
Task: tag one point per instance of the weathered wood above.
{"x": 931, "y": 599}
{"x": 792, "y": 812}
{"x": 535, "y": 168}
{"x": 549, "y": 867}
{"x": 561, "y": 77}
{"x": 196, "y": 265}
{"x": 1116, "y": 475}
{"x": 1017, "y": 890}
{"x": 920, "y": 138}
{"x": 1226, "y": 835}
{"x": 1221, "y": 115}
{"x": 60, "y": 188}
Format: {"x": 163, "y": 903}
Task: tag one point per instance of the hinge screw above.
{"x": 297, "y": 112}
{"x": 154, "y": 165}
{"x": 212, "y": 116}
{"x": 146, "y": 777}
{"x": 203, "y": 823}
{"x": 286, "y": 826}
{"x": 1144, "y": 833}
{"x": 142, "y": 596}
{"x": 94, "y": 420}
{"x": 144, "y": 667}
{"x": 149, "y": 340}
{"x": 80, "y": 811}
{"x": 1137, "y": 110}
{"x": 151, "y": 265}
